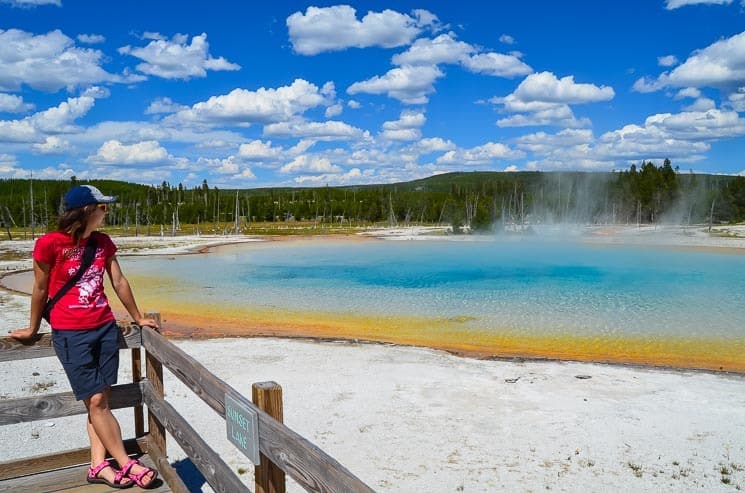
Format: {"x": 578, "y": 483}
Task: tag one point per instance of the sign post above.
{"x": 242, "y": 425}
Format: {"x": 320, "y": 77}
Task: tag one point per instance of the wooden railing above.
{"x": 282, "y": 450}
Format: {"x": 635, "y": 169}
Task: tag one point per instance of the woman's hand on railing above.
{"x": 149, "y": 322}
{"x": 24, "y": 335}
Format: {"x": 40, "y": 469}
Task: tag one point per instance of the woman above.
{"x": 84, "y": 331}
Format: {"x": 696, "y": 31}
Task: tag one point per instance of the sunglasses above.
{"x": 103, "y": 207}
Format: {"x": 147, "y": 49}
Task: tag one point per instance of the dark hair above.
{"x": 74, "y": 221}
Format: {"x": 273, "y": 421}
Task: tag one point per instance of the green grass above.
{"x": 294, "y": 228}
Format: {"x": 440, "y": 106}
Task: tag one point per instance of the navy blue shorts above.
{"x": 90, "y": 358}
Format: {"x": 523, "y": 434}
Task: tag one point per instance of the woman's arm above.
{"x": 39, "y": 296}
{"x": 124, "y": 292}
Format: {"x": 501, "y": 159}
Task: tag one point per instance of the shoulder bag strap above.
{"x": 88, "y": 255}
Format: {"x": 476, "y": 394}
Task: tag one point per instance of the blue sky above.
{"x": 253, "y": 94}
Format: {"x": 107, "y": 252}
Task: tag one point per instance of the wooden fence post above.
{"x": 268, "y": 477}
{"x": 136, "y": 378}
{"x": 154, "y": 373}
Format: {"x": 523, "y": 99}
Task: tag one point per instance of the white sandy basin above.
{"x": 412, "y": 419}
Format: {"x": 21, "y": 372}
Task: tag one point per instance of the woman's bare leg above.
{"x": 104, "y": 434}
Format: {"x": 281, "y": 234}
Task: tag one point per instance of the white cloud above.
{"x": 402, "y": 135}
{"x": 55, "y": 120}
{"x": 711, "y": 124}
{"x": 62, "y": 171}
{"x": 10, "y": 103}
{"x": 427, "y": 19}
{"x": 8, "y": 160}
{"x": 214, "y": 144}
{"x": 737, "y": 100}
{"x": 52, "y": 145}
{"x": 175, "y": 59}
{"x": 667, "y": 61}
{"x": 543, "y": 99}
{"x": 354, "y": 104}
{"x": 302, "y": 146}
{"x": 701, "y": 104}
{"x": 227, "y": 167}
{"x": 567, "y": 149}
{"x": 559, "y": 115}
{"x": 157, "y": 36}
{"x": 507, "y": 39}
{"x": 164, "y": 105}
{"x": 646, "y": 84}
{"x": 59, "y": 119}
{"x": 446, "y": 49}
{"x": 543, "y": 144}
{"x": 337, "y": 28}
{"x": 114, "y": 152}
{"x": 675, "y": 4}
{"x": 408, "y": 119}
{"x": 18, "y": 131}
{"x": 512, "y": 104}
{"x": 718, "y": 65}
{"x": 353, "y": 175}
{"x": 333, "y": 110}
{"x": 32, "y": 3}
{"x": 546, "y": 87}
{"x": 260, "y": 106}
{"x": 406, "y": 128}
{"x": 135, "y": 131}
{"x": 143, "y": 174}
{"x": 217, "y": 165}
{"x": 245, "y": 174}
{"x": 328, "y": 90}
{"x": 681, "y": 136}
{"x": 634, "y": 142}
{"x": 305, "y": 164}
{"x": 329, "y": 130}
{"x": 688, "y": 92}
{"x": 414, "y": 79}
{"x": 91, "y": 38}
{"x": 48, "y": 62}
{"x": 570, "y": 164}
{"x": 442, "y": 49}
{"x": 480, "y": 155}
{"x": 408, "y": 84}
{"x": 257, "y": 150}
{"x": 434, "y": 144}
{"x": 96, "y": 92}
{"x": 497, "y": 64}
{"x": 368, "y": 157}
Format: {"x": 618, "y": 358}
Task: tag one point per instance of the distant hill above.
{"x": 479, "y": 199}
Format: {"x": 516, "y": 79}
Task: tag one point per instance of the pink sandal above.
{"x": 137, "y": 478}
{"x": 93, "y": 473}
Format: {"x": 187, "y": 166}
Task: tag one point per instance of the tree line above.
{"x": 480, "y": 201}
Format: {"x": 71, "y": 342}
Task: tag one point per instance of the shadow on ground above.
{"x": 190, "y": 475}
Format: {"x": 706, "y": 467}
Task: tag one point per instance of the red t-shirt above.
{"x": 85, "y": 305}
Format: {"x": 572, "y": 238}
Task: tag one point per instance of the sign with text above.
{"x": 243, "y": 428}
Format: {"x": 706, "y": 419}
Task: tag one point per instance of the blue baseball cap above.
{"x": 82, "y": 195}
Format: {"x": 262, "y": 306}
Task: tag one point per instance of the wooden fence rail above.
{"x": 13, "y": 350}
{"x": 50, "y": 406}
{"x": 307, "y": 464}
{"x": 304, "y": 462}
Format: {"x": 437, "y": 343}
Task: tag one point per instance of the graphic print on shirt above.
{"x": 90, "y": 285}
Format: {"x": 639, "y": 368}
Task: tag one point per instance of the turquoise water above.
{"x": 540, "y": 287}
